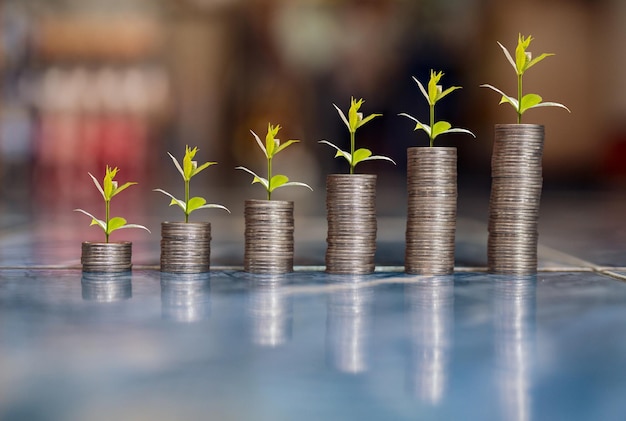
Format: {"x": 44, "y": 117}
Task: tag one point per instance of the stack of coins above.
{"x": 351, "y": 215}
{"x": 106, "y": 257}
{"x": 516, "y": 181}
{"x": 268, "y": 236}
{"x": 431, "y": 217}
{"x": 185, "y": 247}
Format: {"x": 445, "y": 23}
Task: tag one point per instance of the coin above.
{"x": 106, "y": 257}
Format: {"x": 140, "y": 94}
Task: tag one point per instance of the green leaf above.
{"x": 440, "y": 127}
{"x": 270, "y": 139}
{"x": 123, "y": 187}
{"x": 134, "y": 226}
{"x": 344, "y": 154}
{"x": 505, "y": 98}
{"x": 94, "y": 220}
{"x": 116, "y": 223}
{"x": 213, "y": 206}
{"x": 258, "y": 141}
{"x": 551, "y": 104}
{"x": 418, "y": 125}
{"x": 379, "y": 158}
{"x": 195, "y": 203}
{"x": 537, "y": 60}
{"x": 174, "y": 200}
{"x": 297, "y": 184}
{"x": 256, "y": 178}
{"x": 354, "y": 117}
{"x": 360, "y": 155}
{"x": 284, "y": 145}
{"x": 422, "y": 89}
{"x": 189, "y": 165}
{"x": 178, "y": 167}
{"x": 508, "y": 57}
{"x": 528, "y": 102}
{"x": 447, "y": 91}
{"x": 520, "y": 53}
{"x": 343, "y": 116}
{"x": 202, "y": 167}
{"x": 277, "y": 181}
{"x": 368, "y": 118}
{"x": 458, "y": 131}
{"x": 95, "y": 181}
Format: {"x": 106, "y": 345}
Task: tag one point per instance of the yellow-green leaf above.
{"x": 360, "y": 155}
{"x": 440, "y": 127}
{"x": 195, "y": 203}
{"x": 116, "y": 223}
{"x": 529, "y": 101}
{"x": 277, "y": 181}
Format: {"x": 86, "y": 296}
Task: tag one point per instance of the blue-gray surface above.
{"x": 228, "y": 345}
{"x": 309, "y": 346}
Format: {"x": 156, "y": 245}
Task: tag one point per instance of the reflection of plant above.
{"x": 108, "y": 189}
{"x": 188, "y": 170}
{"x": 435, "y": 93}
{"x": 270, "y": 149}
{"x": 354, "y": 121}
{"x": 523, "y": 61}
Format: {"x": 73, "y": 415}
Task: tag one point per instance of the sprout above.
{"x": 270, "y": 149}
{"x": 108, "y": 189}
{"x": 189, "y": 169}
{"x": 353, "y": 122}
{"x": 523, "y": 61}
{"x": 435, "y": 93}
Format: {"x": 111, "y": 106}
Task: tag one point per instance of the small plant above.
{"x": 108, "y": 189}
{"x": 435, "y": 93}
{"x": 523, "y": 61}
{"x": 189, "y": 169}
{"x": 353, "y": 122}
{"x": 270, "y": 149}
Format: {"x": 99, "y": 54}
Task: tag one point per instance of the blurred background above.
{"x": 121, "y": 82}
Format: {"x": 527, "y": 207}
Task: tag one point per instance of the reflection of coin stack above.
{"x": 514, "y": 320}
{"x": 349, "y": 326}
{"x": 351, "y": 214}
{"x": 106, "y": 257}
{"x": 431, "y": 217}
{"x": 431, "y": 318}
{"x": 271, "y": 312}
{"x": 185, "y": 297}
{"x": 268, "y": 236}
{"x": 516, "y": 178}
{"x": 106, "y": 287}
{"x": 185, "y": 247}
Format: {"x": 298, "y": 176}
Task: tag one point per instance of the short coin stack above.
{"x": 516, "y": 182}
{"x": 351, "y": 214}
{"x": 185, "y": 247}
{"x": 431, "y": 217}
{"x": 268, "y": 236}
{"x": 106, "y": 257}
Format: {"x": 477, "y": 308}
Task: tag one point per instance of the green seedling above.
{"x": 270, "y": 149}
{"x": 108, "y": 189}
{"x": 353, "y": 122}
{"x": 435, "y": 93}
{"x": 189, "y": 169}
{"x": 523, "y": 61}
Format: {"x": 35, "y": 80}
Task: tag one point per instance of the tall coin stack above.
{"x": 431, "y": 217}
{"x": 516, "y": 181}
{"x": 106, "y": 257}
{"x": 351, "y": 214}
{"x": 185, "y": 247}
{"x": 268, "y": 236}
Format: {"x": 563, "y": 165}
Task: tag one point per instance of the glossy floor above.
{"x": 309, "y": 346}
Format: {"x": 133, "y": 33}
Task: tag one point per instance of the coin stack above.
{"x": 185, "y": 247}
{"x": 431, "y": 216}
{"x": 516, "y": 181}
{"x": 351, "y": 215}
{"x": 106, "y": 257}
{"x": 268, "y": 236}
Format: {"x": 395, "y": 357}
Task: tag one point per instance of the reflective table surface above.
{"x": 229, "y": 345}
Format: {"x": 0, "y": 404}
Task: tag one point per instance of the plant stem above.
{"x": 432, "y": 123}
{"x": 519, "y": 99}
{"x": 352, "y": 135}
{"x": 106, "y": 218}
{"x": 269, "y": 178}
{"x": 186, "y": 201}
